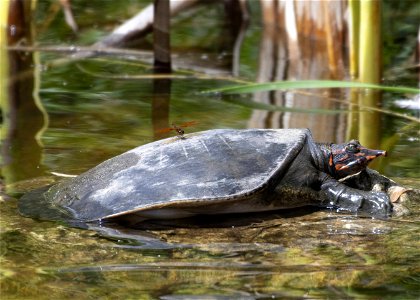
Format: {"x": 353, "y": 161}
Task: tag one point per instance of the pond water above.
{"x": 96, "y": 108}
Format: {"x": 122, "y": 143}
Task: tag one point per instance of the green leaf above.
{"x": 308, "y": 84}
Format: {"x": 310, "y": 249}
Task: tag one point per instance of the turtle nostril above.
{"x": 379, "y": 153}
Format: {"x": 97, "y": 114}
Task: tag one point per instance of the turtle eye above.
{"x": 353, "y": 147}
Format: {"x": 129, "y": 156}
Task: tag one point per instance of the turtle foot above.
{"x": 375, "y": 204}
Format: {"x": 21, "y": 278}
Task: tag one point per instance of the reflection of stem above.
{"x": 353, "y": 116}
{"x": 369, "y": 121}
{"x": 236, "y": 51}
{"x": 160, "y": 105}
{"x": 23, "y": 123}
{"x": 37, "y": 100}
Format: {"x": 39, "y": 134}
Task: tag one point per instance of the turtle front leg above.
{"x": 354, "y": 200}
{"x": 370, "y": 180}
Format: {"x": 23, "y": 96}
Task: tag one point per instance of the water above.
{"x": 304, "y": 253}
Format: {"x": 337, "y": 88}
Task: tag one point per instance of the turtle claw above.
{"x": 376, "y": 204}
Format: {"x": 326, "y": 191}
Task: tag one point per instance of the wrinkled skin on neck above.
{"x": 341, "y": 160}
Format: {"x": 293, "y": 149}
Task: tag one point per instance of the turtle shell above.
{"x": 208, "y": 167}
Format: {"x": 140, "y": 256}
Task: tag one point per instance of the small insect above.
{"x": 178, "y": 128}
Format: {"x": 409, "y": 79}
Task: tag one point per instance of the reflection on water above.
{"x": 300, "y": 253}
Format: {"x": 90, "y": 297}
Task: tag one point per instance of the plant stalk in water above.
{"x": 370, "y": 70}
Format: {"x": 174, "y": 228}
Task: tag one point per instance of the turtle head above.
{"x": 351, "y": 158}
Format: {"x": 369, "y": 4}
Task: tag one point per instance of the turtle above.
{"x": 212, "y": 172}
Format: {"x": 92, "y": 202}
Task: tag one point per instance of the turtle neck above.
{"x": 323, "y": 158}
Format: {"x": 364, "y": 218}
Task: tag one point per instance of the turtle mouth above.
{"x": 372, "y": 154}
{"x": 363, "y": 159}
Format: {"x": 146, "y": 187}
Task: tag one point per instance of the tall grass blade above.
{"x": 309, "y": 84}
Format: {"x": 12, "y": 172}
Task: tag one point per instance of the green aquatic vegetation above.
{"x": 309, "y": 84}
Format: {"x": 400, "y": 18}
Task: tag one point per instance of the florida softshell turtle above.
{"x": 214, "y": 172}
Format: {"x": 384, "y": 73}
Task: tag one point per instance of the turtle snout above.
{"x": 372, "y": 154}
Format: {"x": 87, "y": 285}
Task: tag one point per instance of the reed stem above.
{"x": 370, "y": 42}
{"x": 354, "y": 35}
{"x": 370, "y": 70}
